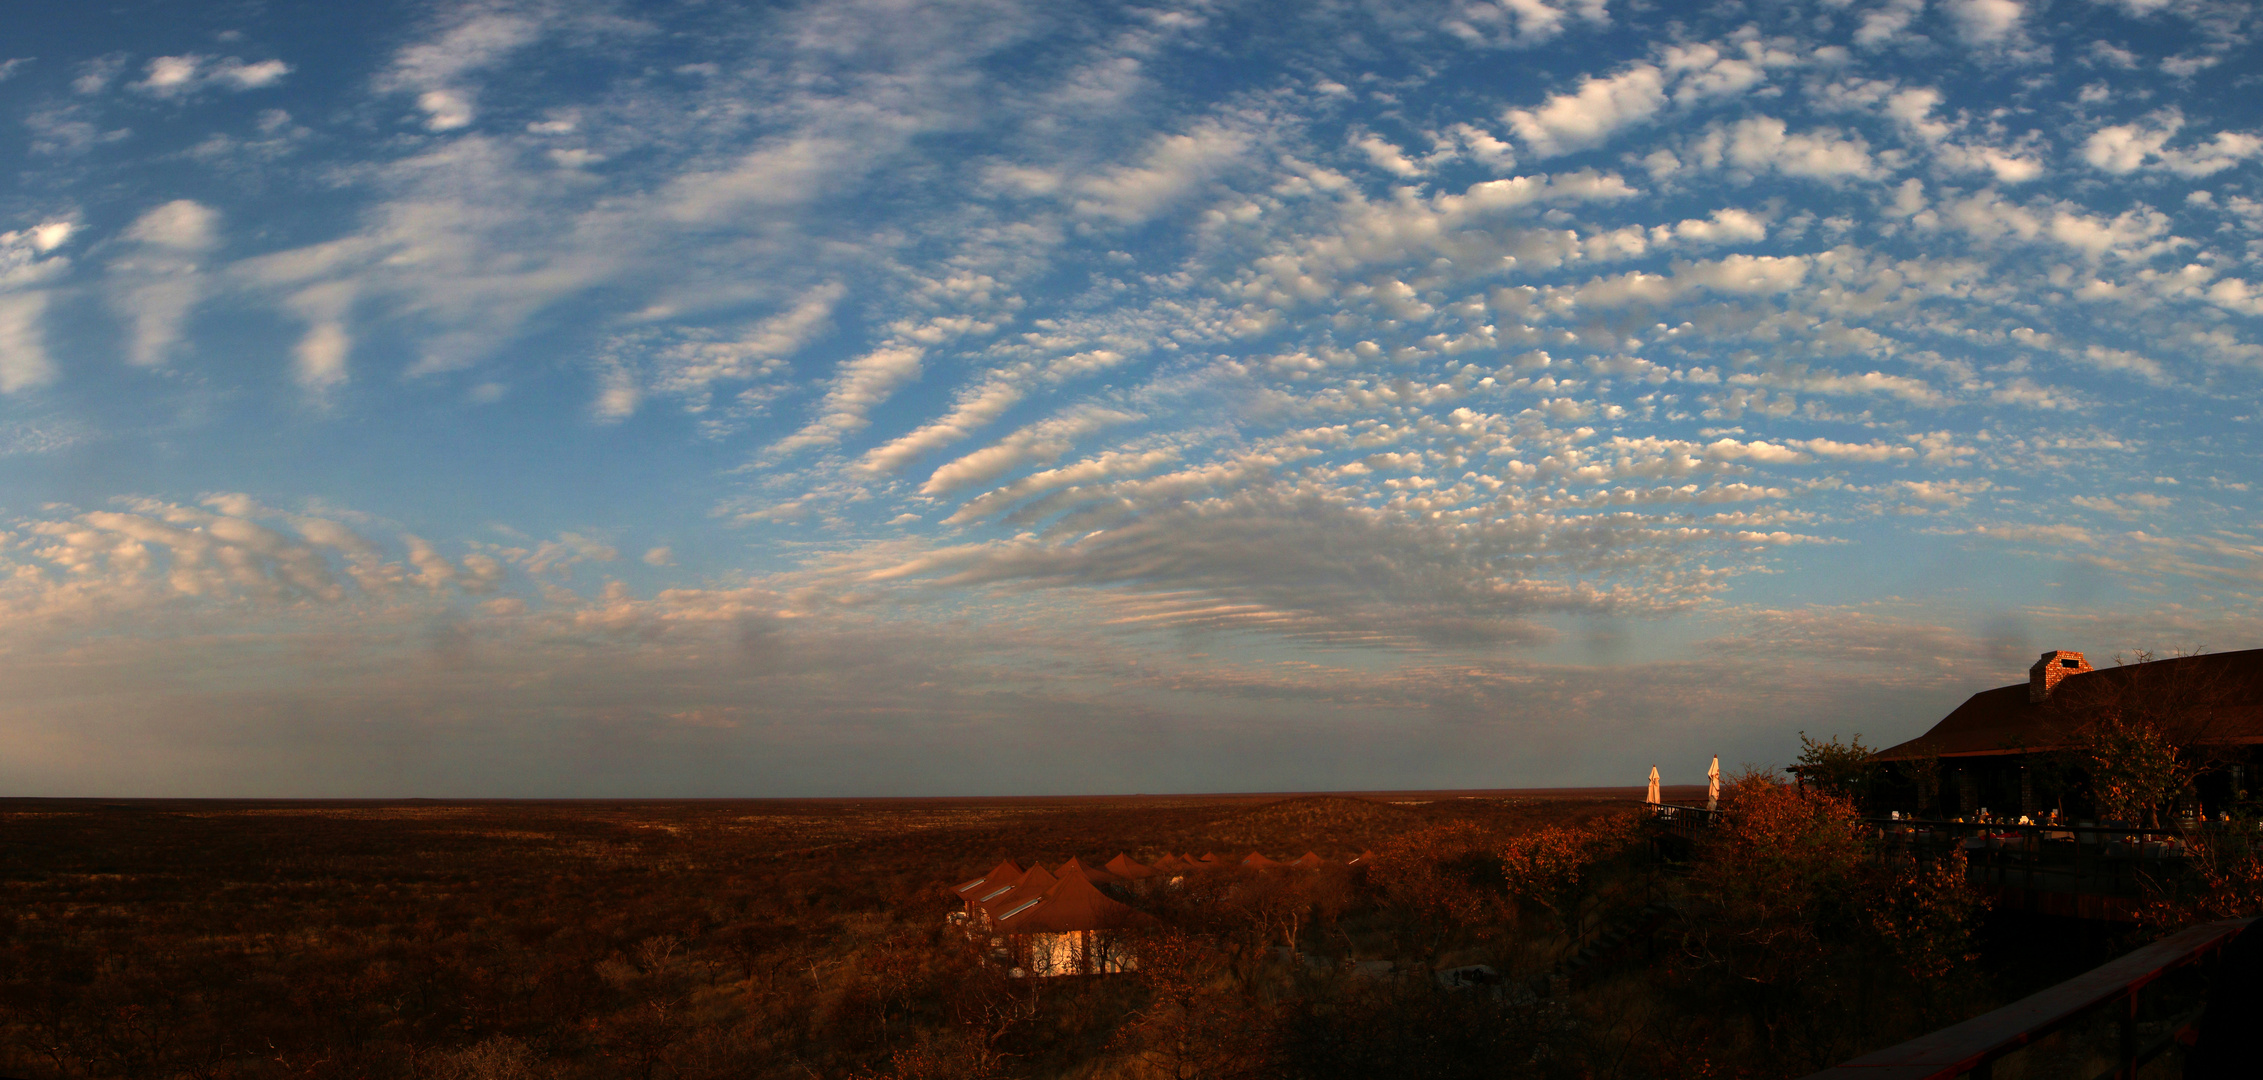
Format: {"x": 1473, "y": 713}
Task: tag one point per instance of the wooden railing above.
{"x": 1972, "y": 1048}
{"x": 1683, "y": 821}
{"x": 2113, "y": 866}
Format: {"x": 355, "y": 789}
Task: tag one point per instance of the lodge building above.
{"x": 2016, "y": 749}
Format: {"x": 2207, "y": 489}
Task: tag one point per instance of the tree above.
{"x": 1796, "y": 917}
{"x": 2224, "y": 879}
{"x": 2145, "y": 734}
{"x": 1195, "y": 1025}
{"x": 2133, "y": 768}
{"x": 1446, "y": 877}
{"x": 1553, "y": 868}
{"x": 1840, "y": 770}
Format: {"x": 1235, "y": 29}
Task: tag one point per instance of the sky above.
{"x": 878, "y": 397}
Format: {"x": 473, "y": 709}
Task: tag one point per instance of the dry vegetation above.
{"x": 805, "y": 939}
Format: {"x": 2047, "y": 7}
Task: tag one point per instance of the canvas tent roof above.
{"x": 1076, "y": 866}
{"x": 1005, "y": 872}
{"x": 2226, "y": 687}
{"x": 1070, "y": 904}
{"x": 1122, "y": 866}
{"x": 1031, "y": 885}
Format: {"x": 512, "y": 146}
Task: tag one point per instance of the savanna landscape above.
{"x": 780, "y": 938}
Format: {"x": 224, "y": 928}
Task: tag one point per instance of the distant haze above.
{"x": 894, "y": 398}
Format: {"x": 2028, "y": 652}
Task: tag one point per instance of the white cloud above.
{"x": 27, "y": 260}
{"x": 2111, "y": 55}
{"x": 1101, "y": 467}
{"x": 1387, "y": 157}
{"x": 2123, "y": 360}
{"x": 435, "y": 70}
{"x": 1870, "y": 451}
{"x": 177, "y": 76}
{"x": 977, "y": 407}
{"x": 180, "y": 225}
{"x": 153, "y": 556}
{"x": 2185, "y": 67}
{"x": 858, "y": 385}
{"x": 781, "y": 172}
{"x": 1909, "y": 198}
{"x": 1912, "y": 109}
{"x": 618, "y": 394}
{"x": 1761, "y": 144}
{"x": 1043, "y": 441}
{"x": 1590, "y": 115}
{"x": 1985, "y": 22}
{"x": 1751, "y": 275}
{"x": 2135, "y": 234}
{"x": 2237, "y": 295}
{"x": 1887, "y": 23}
{"x": 691, "y": 368}
{"x": 1171, "y": 169}
{"x": 26, "y": 255}
{"x": 1483, "y": 148}
{"x": 2126, "y": 148}
{"x": 1521, "y": 23}
{"x": 24, "y": 362}
{"x": 319, "y": 359}
{"x": 156, "y": 284}
{"x": 1726, "y": 226}
{"x": 445, "y": 110}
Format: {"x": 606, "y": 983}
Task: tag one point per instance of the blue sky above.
{"x": 902, "y": 398}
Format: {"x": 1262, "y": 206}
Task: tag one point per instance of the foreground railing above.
{"x": 1686, "y": 821}
{"x": 2115, "y": 865}
{"x": 1973, "y": 1047}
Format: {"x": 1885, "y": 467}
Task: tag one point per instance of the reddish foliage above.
{"x": 1825, "y": 942}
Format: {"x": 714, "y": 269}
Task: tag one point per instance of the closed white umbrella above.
{"x": 1651, "y": 796}
{"x": 1713, "y": 785}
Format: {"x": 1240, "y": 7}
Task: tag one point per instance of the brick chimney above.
{"x": 2045, "y": 675}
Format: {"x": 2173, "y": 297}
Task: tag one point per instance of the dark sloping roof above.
{"x": 1076, "y": 866}
{"x": 2214, "y": 698}
{"x": 1005, "y": 873}
{"x": 1309, "y": 861}
{"x": 1072, "y": 903}
{"x": 1999, "y": 721}
{"x": 1031, "y": 885}
{"x": 1256, "y": 860}
{"x": 1122, "y": 866}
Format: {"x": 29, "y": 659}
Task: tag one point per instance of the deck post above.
{"x": 2128, "y": 1071}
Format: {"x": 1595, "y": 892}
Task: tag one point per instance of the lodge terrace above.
{"x": 1044, "y": 924}
{"x": 2010, "y": 750}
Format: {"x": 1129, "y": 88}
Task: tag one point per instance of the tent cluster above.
{"x": 1061, "y": 922}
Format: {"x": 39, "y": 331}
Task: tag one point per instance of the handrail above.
{"x": 2200, "y": 828}
{"x": 1976, "y": 1043}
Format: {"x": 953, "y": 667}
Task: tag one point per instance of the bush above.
{"x": 1828, "y": 945}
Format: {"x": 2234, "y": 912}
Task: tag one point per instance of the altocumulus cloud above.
{"x": 1482, "y": 393}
